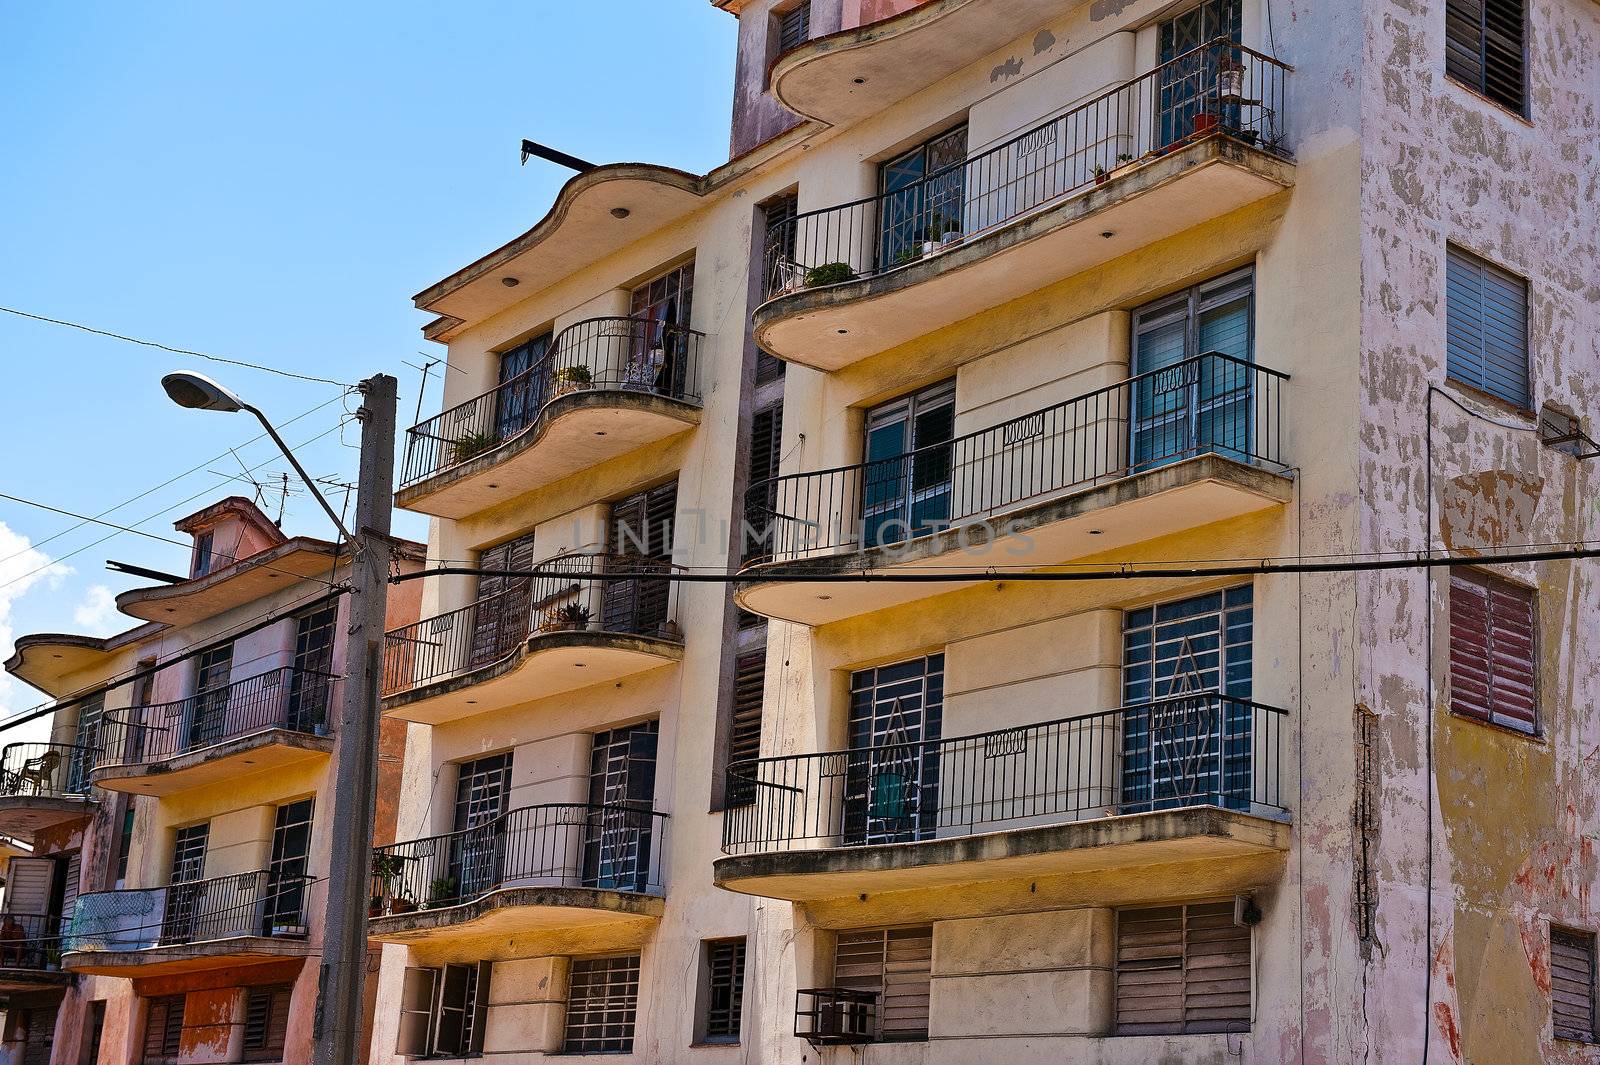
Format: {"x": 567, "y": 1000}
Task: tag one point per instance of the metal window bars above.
{"x": 263, "y": 903}
{"x": 619, "y": 354}
{"x": 1220, "y": 89}
{"x": 614, "y": 847}
{"x": 288, "y": 698}
{"x": 1209, "y": 404}
{"x": 493, "y": 628}
{"x": 46, "y": 770}
{"x": 1205, "y": 749}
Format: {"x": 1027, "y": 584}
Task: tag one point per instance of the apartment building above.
{"x": 171, "y": 908}
{"x": 992, "y": 287}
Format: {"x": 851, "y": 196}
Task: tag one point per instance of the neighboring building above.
{"x": 172, "y": 907}
{"x": 1093, "y": 283}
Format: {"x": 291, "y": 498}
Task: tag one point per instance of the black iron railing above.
{"x": 261, "y": 903}
{"x": 616, "y": 847}
{"x": 1210, "y": 404}
{"x": 30, "y": 941}
{"x": 494, "y": 627}
{"x": 1192, "y": 750}
{"x": 1221, "y": 89}
{"x": 46, "y": 770}
{"x": 296, "y": 700}
{"x": 597, "y": 355}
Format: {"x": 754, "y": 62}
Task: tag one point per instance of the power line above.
{"x": 175, "y": 351}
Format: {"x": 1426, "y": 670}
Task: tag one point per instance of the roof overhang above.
{"x": 235, "y": 585}
{"x": 46, "y": 659}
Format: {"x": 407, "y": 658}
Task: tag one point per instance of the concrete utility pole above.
{"x": 341, "y": 981}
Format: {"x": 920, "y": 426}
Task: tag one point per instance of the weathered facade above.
{"x": 991, "y": 288}
{"x": 179, "y": 813}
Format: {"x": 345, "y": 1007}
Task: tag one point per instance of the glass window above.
{"x": 923, "y": 197}
{"x": 602, "y": 1005}
{"x": 906, "y": 486}
{"x": 891, "y": 779}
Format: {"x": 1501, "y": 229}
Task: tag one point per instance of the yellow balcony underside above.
{"x": 259, "y": 752}
{"x": 563, "y": 919}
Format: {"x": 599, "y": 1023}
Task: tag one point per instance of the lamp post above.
{"x": 337, "y": 1026}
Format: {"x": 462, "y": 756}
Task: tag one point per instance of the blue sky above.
{"x": 273, "y": 183}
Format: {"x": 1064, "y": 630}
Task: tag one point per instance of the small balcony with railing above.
{"x": 242, "y": 919}
{"x": 1168, "y": 450}
{"x": 270, "y": 721}
{"x": 1190, "y": 141}
{"x": 564, "y": 868}
{"x": 1192, "y": 783}
{"x": 590, "y": 619}
{"x": 30, "y": 952}
{"x": 606, "y": 387}
{"x": 43, "y": 785}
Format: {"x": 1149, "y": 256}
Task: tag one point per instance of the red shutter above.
{"x": 1493, "y": 651}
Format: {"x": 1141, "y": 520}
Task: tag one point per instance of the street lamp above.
{"x": 337, "y": 1027}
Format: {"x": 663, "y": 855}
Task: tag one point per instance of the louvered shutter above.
{"x": 417, "y": 994}
{"x": 744, "y": 729}
{"x": 451, "y": 1027}
{"x": 642, "y": 527}
{"x": 28, "y": 889}
{"x": 1493, "y": 651}
{"x": 1572, "y": 984}
{"x": 41, "y": 1034}
{"x": 1486, "y": 323}
{"x": 163, "y": 1030}
{"x": 71, "y": 872}
{"x": 501, "y": 619}
{"x": 766, "y": 439}
{"x": 266, "y": 1022}
{"x": 1182, "y": 969}
{"x": 794, "y": 26}
{"x": 1485, "y": 48}
{"x": 896, "y": 963}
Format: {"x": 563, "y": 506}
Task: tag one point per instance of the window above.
{"x": 483, "y": 791}
{"x": 1182, "y": 969}
{"x": 500, "y": 621}
{"x": 923, "y": 197}
{"x": 642, "y": 532}
{"x": 520, "y": 394}
{"x": 266, "y": 1022}
{"x": 894, "y": 963}
{"x": 202, "y": 553}
{"x": 89, "y": 1052}
{"x": 1572, "y": 984}
{"x": 1486, "y": 328}
{"x": 90, "y": 733}
{"x": 723, "y": 994}
{"x": 744, "y": 726}
{"x": 794, "y": 26}
{"x": 905, "y": 494}
{"x": 285, "y": 911}
{"x": 210, "y": 710}
{"x": 668, "y": 298}
{"x": 444, "y": 1012}
{"x": 163, "y": 1030}
{"x": 124, "y": 847}
{"x": 618, "y": 836}
{"x": 1493, "y": 651}
{"x": 189, "y": 853}
{"x": 784, "y": 274}
{"x": 892, "y": 792}
{"x": 1486, "y": 48}
{"x": 766, "y": 439}
{"x": 312, "y": 681}
{"x": 602, "y": 1004}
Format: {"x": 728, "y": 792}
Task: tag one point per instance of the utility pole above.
{"x": 341, "y": 980}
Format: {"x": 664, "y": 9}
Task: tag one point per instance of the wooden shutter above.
{"x": 724, "y": 990}
{"x": 478, "y": 1008}
{"x": 1493, "y": 651}
{"x": 794, "y": 26}
{"x": 744, "y": 728}
{"x": 1182, "y": 969}
{"x": 1486, "y": 327}
{"x": 266, "y": 1022}
{"x": 1486, "y": 48}
{"x": 502, "y": 615}
{"x": 163, "y": 1030}
{"x": 896, "y": 963}
{"x": 30, "y": 885}
{"x": 417, "y": 993}
{"x": 1572, "y": 980}
{"x": 451, "y": 1028}
{"x": 642, "y": 527}
{"x": 71, "y": 873}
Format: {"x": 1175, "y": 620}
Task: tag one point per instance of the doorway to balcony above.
{"x": 907, "y": 480}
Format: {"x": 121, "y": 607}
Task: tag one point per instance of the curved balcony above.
{"x": 1191, "y": 783}
{"x": 267, "y": 722}
{"x": 1190, "y": 141}
{"x": 1172, "y": 449}
{"x": 545, "y": 636}
{"x": 43, "y": 785}
{"x": 242, "y": 919}
{"x": 608, "y": 386}
{"x": 30, "y": 952}
{"x": 591, "y": 873}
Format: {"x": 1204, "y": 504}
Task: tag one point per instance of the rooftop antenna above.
{"x": 283, "y": 498}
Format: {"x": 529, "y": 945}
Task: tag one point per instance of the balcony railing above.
{"x": 616, "y": 847}
{"x": 295, "y": 700}
{"x": 1211, "y": 403}
{"x": 631, "y": 355}
{"x": 30, "y": 941}
{"x": 262, "y": 903}
{"x": 1192, "y": 750}
{"x": 1221, "y": 89}
{"x": 492, "y": 628}
{"x": 46, "y": 770}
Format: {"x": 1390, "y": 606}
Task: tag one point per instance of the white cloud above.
{"x": 23, "y": 568}
{"x": 97, "y": 614}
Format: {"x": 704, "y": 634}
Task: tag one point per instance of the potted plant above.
{"x": 572, "y": 378}
{"x": 375, "y": 906}
{"x": 570, "y": 617}
{"x": 908, "y": 255}
{"x": 829, "y": 274}
{"x": 939, "y": 233}
{"x": 442, "y": 892}
{"x": 1100, "y": 175}
{"x": 402, "y": 904}
{"x": 471, "y": 446}
{"x": 1125, "y": 163}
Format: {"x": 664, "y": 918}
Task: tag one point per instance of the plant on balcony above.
{"x": 572, "y": 379}
{"x": 1125, "y": 163}
{"x": 471, "y": 446}
{"x": 1100, "y": 175}
{"x": 375, "y": 906}
{"x": 568, "y": 618}
{"x": 940, "y": 232}
{"x": 402, "y": 904}
{"x": 442, "y": 892}
{"x": 386, "y": 870}
{"x": 908, "y": 255}
{"x": 829, "y": 274}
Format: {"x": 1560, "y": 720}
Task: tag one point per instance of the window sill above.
{"x": 713, "y": 1044}
{"x": 1536, "y": 737}
{"x": 1476, "y": 94}
{"x": 1500, "y": 403}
